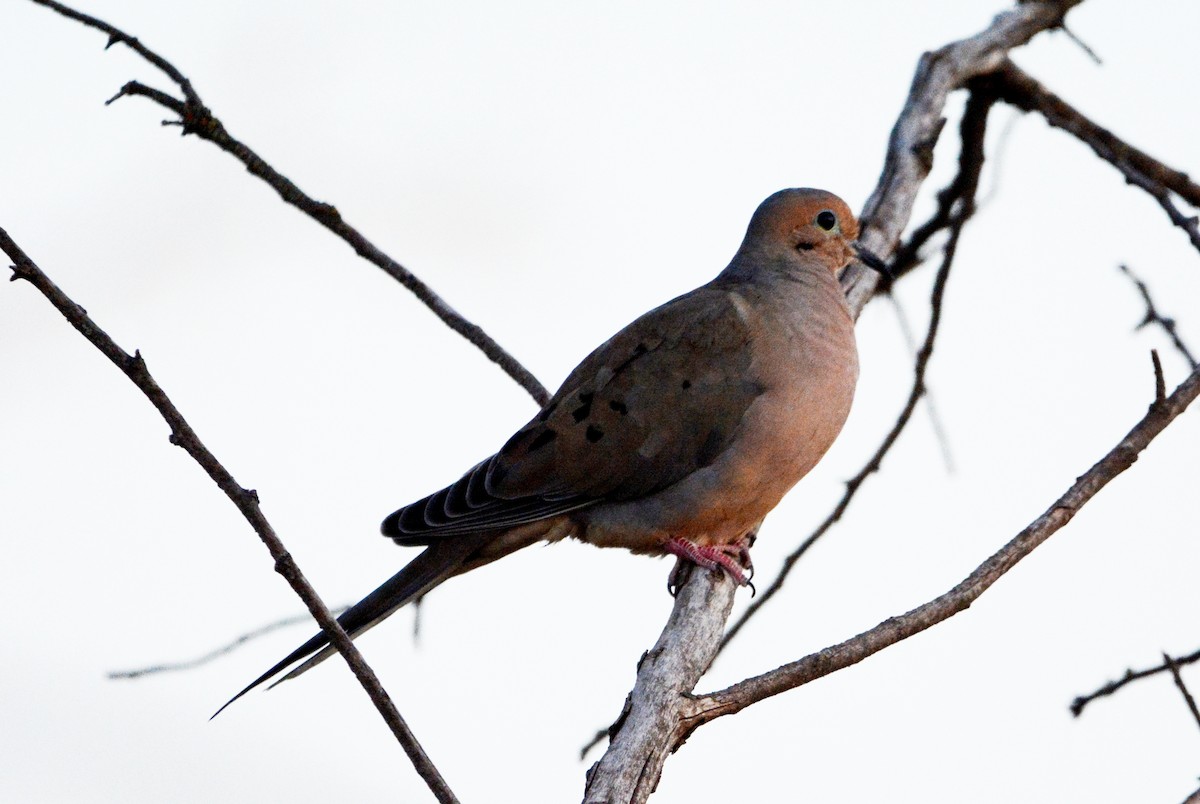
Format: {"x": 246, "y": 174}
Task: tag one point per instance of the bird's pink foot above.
{"x": 732, "y": 559}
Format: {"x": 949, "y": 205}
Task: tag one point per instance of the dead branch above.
{"x": 246, "y": 500}
{"x": 1153, "y": 316}
{"x": 1131, "y": 675}
{"x": 196, "y": 118}
{"x": 1016, "y": 87}
{"x": 910, "y": 147}
{"x": 229, "y": 647}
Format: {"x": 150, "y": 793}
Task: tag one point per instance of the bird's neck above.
{"x": 778, "y": 271}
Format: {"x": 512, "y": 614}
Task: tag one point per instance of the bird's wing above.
{"x": 659, "y": 400}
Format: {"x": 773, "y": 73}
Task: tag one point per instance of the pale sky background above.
{"x": 553, "y": 170}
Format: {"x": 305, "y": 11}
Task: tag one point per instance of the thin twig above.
{"x": 1091, "y": 54}
{"x": 935, "y": 417}
{"x": 115, "y": 35}
{"x": 1173, "y": 666}
{"x": 1160, "y": 382}
{"x": 246, "y": 500}
{"x": 1016, "y": 87}
{"x": 190, "y": 664}
{"x": 1153, "y": 316}
{"x": 959, "y": 201}
{"x": 196, "y": 118}
{"x": 704, "y": 708}
{"x": 1130, "y": 676}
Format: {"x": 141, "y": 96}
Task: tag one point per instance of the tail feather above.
{"x": 437, "y": 563}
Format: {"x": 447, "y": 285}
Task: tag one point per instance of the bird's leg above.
{"x": 732, "y": 559}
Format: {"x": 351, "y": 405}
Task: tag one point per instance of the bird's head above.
{"x": 808, "y": 222}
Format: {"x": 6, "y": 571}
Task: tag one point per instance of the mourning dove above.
{"x": 676, "y": 436}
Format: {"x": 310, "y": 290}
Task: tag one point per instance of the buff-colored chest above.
{"x": 804, "y": 359}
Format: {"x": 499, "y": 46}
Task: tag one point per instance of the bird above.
{"x": 676, "y": 436}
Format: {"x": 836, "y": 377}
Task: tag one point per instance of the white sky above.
{"x": 554, "y": 170}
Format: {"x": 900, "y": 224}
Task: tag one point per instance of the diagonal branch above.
{"x": 701, "y": 710}
{"x": 246, "y": 500}
{"x": 196, "y": 118}
{"x": 910, "y": 146}
{"x": 1153, "y": 316}
{"x": 1018, "y": 88}
{"x": 956, "y": 205}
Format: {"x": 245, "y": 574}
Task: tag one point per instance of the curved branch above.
{"x": 246, "y": 500}
{"x": 196, "y": 118}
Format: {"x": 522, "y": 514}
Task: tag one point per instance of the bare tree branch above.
{"x": 1016, "y": 87}
{"x": 910, "y": 147}
{"x": 246, "y": 500}
{"x": 1153, "y": 316}
{"x": 196, "y": 118}
{"x": 229, "y": 647}
{"x": 641, "y": 739}
{"x": 702, "y": 709}
{"x": 1131, "y": 675}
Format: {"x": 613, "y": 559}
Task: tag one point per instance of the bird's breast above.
{"x": 805, "y": 360}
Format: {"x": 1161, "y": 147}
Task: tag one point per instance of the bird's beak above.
{"x": 867, "y": 258}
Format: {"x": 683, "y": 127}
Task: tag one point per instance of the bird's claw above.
{"x": 732, "y": 559}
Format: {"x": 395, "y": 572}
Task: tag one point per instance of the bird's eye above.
{"x": 826, "y": 220}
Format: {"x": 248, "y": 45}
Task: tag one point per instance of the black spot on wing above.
{"x": 594, "y": 433}
{"x": 584, "y": 410}
{"x": 619, "y": 407}
{"x": 686, "y": 384}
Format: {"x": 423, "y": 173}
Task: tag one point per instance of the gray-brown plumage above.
{"x": 676, "y": 436}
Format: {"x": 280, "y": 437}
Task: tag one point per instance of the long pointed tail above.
{"x": 437, "y": 563}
